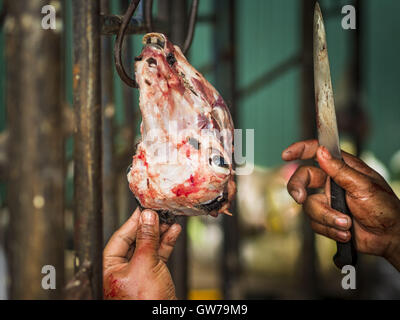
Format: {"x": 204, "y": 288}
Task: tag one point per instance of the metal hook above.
{"x": 192, "y": 23}
{"x": 118, "y": 45}
{"x": 149, "y": 27}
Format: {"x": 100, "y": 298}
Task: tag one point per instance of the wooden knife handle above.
{"x": 346, "y": 253}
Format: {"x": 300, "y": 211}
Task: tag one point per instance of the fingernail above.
{"x": 341, "y": 222}
{"x": 342, "y": 235}
{"x": 148, "y": 217}
{"x": 295, "y": 194}
{"x": 136, "y": 210}
{"x": 325, "y": 153}
{"x": 286, "y": 154}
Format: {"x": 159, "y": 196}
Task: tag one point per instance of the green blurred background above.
{"x": 268, "y": 33}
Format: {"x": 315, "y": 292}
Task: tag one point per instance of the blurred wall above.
{"x": 381, "y": 70}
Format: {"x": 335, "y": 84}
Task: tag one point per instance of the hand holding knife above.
{"x": 328, "y": 135}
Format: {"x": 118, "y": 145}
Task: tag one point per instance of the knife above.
{"x": 328, "y": 135}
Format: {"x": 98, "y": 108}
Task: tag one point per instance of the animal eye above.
{"x": 218, "y": 163}
{"x": 129, "y": 169}
{"x": 171, "y": 59}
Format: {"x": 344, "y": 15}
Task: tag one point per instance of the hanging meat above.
{"x": 183, "y": 163}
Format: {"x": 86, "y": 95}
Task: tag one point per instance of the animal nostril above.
{"x": 171, "y": 59}
{"x": 151, "y": 61}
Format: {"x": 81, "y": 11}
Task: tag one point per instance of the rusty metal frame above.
{"x": 131, "y": 119}
{"x": 225, "y": 74}
{"x": 110, "y": 217}
{"x": 178, "y": 262}
{"x": 87, "y": 145}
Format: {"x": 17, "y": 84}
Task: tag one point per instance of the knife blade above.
{"x": 328, "y": 135}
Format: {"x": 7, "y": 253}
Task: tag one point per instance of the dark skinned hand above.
{"x": 134, "y": 260}
{"x": 374, "y": 205}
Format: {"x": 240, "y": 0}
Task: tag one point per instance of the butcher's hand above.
{"x": 134, "y": 260}
{"x": 374, "y": 205}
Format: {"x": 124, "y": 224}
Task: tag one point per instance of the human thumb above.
{"x": 345, "y": 176}
{"x": 148, "y": 236}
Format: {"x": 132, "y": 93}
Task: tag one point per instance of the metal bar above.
{"x": 191, "y": 26}
{"x": 308, "y": 265}
{"x": 224, "y": 44}
{"x": 119, "y": 42}
{"x": 148, "y": 10}
{"x": 357, "y": 114}
{"x": 164, "y": 14}
{"x": 110, "y": 25}
{"x": 108, "y": 110}
{"x": 178, "y": 262}
{"x": 87, "y": 142}
{"x": 36, "y": 147}
{"x": 269, "y": 76}
{"x": 4, "y": 160}
{"x": 130, "y": 121}
{"x": 358, "y": 126}
{"x": 3, "y": 14}
{"x": 178, "y": 21}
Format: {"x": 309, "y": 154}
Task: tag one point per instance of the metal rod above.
{"x": 36, "y": 147}
{"x": 118, "y": 45}
{"x": 110, "y": 25}
{"x": 224, "y": 44}
{"x": 308, "y": 273}
{"x": 357, "y": 124}
{"x": 87, "y": 142}
{"x": 357, "y": 111}
{"x": 108, "y": 110}
{"x": 4, "y": 160}
{"x": 191, "y": 27}
{"x": 269, "y": 76}
{"x": 130, "y": 123}
{"x": 178, "y": 261}
{"x": 148, "y": 10}
{"x": 3, "y": 14}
